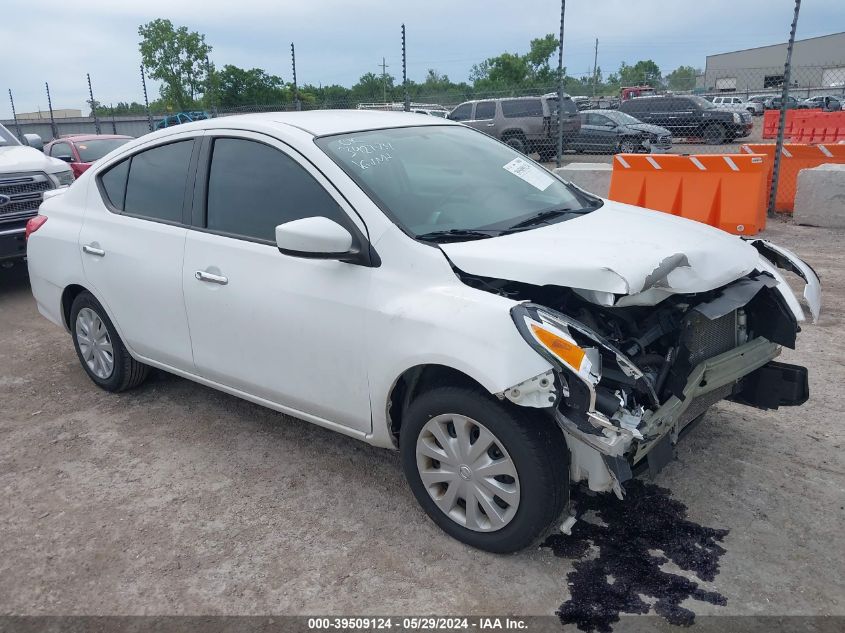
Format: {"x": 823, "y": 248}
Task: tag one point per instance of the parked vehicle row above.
{"x": 418, "y": 285}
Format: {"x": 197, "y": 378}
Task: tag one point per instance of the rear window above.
{"x": 95, "y": 149}
{"x": 512, "y": 108}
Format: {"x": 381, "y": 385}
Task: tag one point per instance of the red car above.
{"x": 81, "y": 150}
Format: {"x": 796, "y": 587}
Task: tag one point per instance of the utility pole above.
{"x": 383, "y": 80}
{"x": 784, "y": 94}
{"x": 560, "y": 86}
{"x": 595, "y": 67}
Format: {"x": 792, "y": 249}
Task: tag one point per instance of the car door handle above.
{"x": 201, "y": 275}
{"x": 93, "y": 250}
{"x": 490, "y": 124}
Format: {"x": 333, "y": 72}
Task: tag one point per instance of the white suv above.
{"x": 738, "y": 104}
{"x": 416, "y": 284}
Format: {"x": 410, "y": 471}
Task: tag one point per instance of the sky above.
{"x": 337, "y": 41}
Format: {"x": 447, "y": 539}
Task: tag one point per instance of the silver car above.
{"x": 738, "y": 104}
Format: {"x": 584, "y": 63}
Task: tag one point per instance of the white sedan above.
{"x": 418, "y": 285}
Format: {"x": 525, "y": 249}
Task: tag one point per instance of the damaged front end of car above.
{"x": 629, "y": 379}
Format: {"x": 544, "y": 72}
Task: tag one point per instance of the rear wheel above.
{"x": 714, "y": 134}
{"x": 517, "y": 143}
{"x": 101, "y": 352}
{"x": 489, "y": 476}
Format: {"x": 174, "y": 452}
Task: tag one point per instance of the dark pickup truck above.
{"x": 690, "y": 116}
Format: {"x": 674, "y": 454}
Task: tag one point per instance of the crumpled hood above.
{"x": 619, "y": 249}
{"x": 15, "y": 158}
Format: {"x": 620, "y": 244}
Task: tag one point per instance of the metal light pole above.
{"x": 787, "y": 68}
{"x": 595, "y": 67}
{"x": 93, "y": 105}
{"x": 53, "y": 127}
{"x": 560, "y": 86}
{"x": 146, "y": 99}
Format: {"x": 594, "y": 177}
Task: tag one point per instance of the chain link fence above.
{"x": 716, "y": 111}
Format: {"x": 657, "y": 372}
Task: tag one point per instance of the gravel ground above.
{"x": 176, "y": 499}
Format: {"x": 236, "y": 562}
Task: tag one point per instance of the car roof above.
{"x": 323, "y": 122}
{"x": 89, "y": 137}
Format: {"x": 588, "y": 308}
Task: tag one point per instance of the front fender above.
{"x": 783, "y": 258}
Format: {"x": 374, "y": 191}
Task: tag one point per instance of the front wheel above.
{"x": 487, "y": 474}
{"x": 628, "y": 146}
{"x": 714, "y": 134}
{"x": 101, "y": 352}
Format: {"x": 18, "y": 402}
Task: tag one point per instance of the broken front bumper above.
{"x": 605, "y": 459}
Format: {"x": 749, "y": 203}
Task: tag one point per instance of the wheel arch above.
{"x": 69, "y": 294}
{"x": 415, "y": 381}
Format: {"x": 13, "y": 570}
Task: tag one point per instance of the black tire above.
{"x": 127, "y": 372}
{"x": 517, "y": 142}
{"x": 535, "y": 446}
{"x": 714, "y": 134}
{"x": 547, "y": 155}
{"x": 628, "y": 145}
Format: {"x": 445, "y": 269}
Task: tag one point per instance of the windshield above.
{"x": 6, "y": 137}
{"x": 440, "y": 179}
{"x": 620, "y": 117}
{"x": 95, "y": 149}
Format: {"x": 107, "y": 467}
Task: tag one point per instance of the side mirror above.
{"x": 316, "y": 238}
{"x": 33, "y": 140}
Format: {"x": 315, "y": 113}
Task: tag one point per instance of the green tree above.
{"x": 373, "y": 88}
{"x": 682, "y": 78}
{"x": 177, "y": 58}
{"x": 239, "y": 87}
{"x": 644, "y": 72}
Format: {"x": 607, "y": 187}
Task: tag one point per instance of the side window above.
{"x": 61, "y": 150}
{"x": 512, "y": 108}
{"x": 253, "y": 187}
{"x": 156, "y": 185}
{"x": 114, "y": 183}
{"x": 634, "y": 105}
{"x": 485, "y": 110}
{"x": 462, "y": 113}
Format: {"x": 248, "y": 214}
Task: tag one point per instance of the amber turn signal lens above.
{"x": 565, "y": 350}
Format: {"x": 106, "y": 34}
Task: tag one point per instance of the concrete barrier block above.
{"x": 592, "y": 177}
{"x": 820, "y": 199}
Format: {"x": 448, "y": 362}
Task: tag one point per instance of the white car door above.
{"x": 280, "y": 328}
{"x": 132, "y": 242}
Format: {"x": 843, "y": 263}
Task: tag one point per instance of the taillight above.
{"x": 33, "y": 224}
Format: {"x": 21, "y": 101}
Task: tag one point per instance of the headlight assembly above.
{"x": 63, "y": 178}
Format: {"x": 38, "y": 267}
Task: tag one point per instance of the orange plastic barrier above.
{"x": 819, "y": 127}
{"x": 794, "y": 158}
{"x": 771, "y": 119}
{"x": 724, "y": 190}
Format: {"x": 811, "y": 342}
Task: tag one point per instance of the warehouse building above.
{"x": 818, "y": 67}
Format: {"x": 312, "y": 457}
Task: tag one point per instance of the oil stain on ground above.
{"x": 620, "y": 548}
